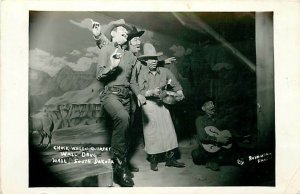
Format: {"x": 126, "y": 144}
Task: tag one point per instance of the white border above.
{"x": 14, "y": 89}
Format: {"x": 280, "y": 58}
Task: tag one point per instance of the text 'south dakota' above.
{"x": 81, "y": 161}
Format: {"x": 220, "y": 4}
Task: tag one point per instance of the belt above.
{"x": 118, "y": 90}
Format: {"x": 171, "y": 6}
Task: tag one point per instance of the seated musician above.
{"x": 215, "y": 147}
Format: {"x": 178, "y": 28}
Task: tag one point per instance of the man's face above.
{"x": 209, "y": 108}
{"x": 135, "y": 45}
{"x": 119, "y": 35}
{"x": 152, "y": 64}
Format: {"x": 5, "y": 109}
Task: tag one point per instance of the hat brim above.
{"x": 112, "y": 26}
{"x": 203, "y": 100}
{"x": 137, "y": 34}
{"x": 144, "y": 57}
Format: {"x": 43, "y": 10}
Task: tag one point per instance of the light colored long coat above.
{"x": 158, "y": 128}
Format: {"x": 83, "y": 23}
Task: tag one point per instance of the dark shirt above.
{"x": 146, "y": 80}
{"x": 102, "y": 41}
{"x": 201, "y": 123}
{"x": 120, "y": 75}
{"x": 134, "y": 77}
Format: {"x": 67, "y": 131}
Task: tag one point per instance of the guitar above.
{"x": 213, "y": 131}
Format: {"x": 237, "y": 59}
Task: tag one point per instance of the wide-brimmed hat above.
{"x": 134, "y": 33}
{"x": 149, "y": 52}
{"x": 203, "y": 99}
{"x": 112, "y": 25}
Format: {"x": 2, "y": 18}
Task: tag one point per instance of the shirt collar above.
{"x": 211, "y": 117}
{"x": 157, "y": 70}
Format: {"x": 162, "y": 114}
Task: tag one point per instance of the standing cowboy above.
{"x": 158, "y": 128}
{"x": 114, "y": 70}
{"x": 133, "y": 45}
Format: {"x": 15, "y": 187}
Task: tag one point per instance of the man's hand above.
{"x": 115, "y": 58}
{"x": 141, "y": 100}
{"x": 170, "y": 60}
{"x": 96, "y": 27}
{"x": 222, "y": 140}
{"x": 156, "y": 91}
{"x": 153, "y": 92}
{"x": 179, "y": 95}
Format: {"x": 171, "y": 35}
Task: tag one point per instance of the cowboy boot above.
{"x": 153, "y": 162}
{"x": 213, "y": 165}
{"x": 171, "y": 161}
{"x": 120, "y": 173}
{"x": 128, "y": 169}
{"x": 133, "y": 168}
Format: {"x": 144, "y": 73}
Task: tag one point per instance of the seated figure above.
{"x": 215, "y": 145}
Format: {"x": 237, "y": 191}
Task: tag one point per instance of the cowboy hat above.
{"x": 113, "y": 24}
{"x": 149, "y": 52}
{"x": 203, "y": 100}
{"x": 134, "y": 33}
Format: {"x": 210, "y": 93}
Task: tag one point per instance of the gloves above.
{"x": 115, "y": 58}
{"x": 96, "y": 27}
{"x": 170, "y": 60}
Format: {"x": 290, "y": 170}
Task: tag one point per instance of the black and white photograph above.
{"x": 158, "y": 97}
{"x": 133, "y": 99}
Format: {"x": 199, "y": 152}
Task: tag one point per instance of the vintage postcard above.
{"x": 181, "y": 97}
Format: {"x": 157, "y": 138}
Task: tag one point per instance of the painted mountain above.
{"x": 79, "y": 107}
{"x": 42, "y": 87}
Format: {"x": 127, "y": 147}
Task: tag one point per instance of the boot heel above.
{"x": 120, "y": 175}
{"x": 153, "y": 166}
{"x": 153, "y": 162}
{"x": 172, "y": 162}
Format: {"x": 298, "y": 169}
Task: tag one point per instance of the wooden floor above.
{"x": 82, "y": 168}
{"x": 79, "y": 156}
